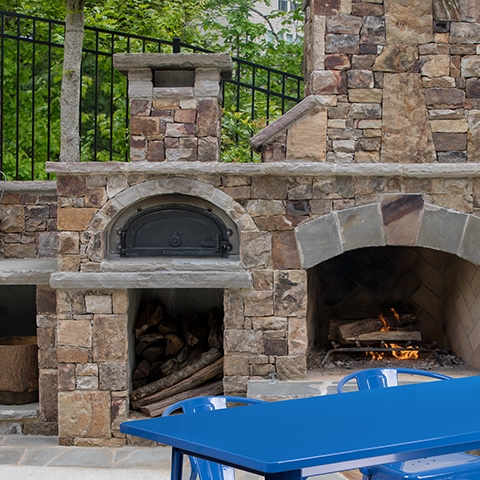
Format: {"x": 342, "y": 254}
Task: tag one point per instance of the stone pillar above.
{"x": 318, "y": 80}
{"x": 174, "y": 105}
{"x": 93, "y": 366}
{"x": 47, "y": 359}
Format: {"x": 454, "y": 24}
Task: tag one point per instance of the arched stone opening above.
{"x": 438, "y": 288}
{"x": 400, "y": 253}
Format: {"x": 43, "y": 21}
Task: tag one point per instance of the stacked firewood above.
{"x": 175, "y": 358}
{"x": 389, "y": 328}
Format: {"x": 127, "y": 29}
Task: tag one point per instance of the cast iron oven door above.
{"x": 174, "y": 231}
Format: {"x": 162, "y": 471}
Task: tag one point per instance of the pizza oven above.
{"x": 176, "y": 230}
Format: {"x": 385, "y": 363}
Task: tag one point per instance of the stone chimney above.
{"x": 399, "y": 80}
{"x": 174, "y": 105}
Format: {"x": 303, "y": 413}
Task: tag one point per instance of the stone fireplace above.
{"x": 367, "y": 197}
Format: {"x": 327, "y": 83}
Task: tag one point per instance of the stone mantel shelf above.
{"x": 173, "y": 264}
{"x": 432, "y": 170}
{"x": 154, "y": 279}
{"x": 27, "y": 271}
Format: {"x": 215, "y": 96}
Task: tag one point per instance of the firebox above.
{"x": 381, "y": 297}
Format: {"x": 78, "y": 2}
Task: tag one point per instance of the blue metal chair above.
{"x": 204, "y": 469}
{"x": 455, "y": 466}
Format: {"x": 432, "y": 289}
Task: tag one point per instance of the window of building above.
{"x": 286, "y": 5}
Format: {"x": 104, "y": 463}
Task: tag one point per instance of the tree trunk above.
{"x": 71, "y": 83}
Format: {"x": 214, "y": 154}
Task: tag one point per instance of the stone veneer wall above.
{"x": 377, "y": 95}
{"x": 28, "y": 220}
{"x": 28, "y": 250}
{"x": 284, "y": 216}
{"x": 399, "y": 81}
{"x": 93, "y": 367}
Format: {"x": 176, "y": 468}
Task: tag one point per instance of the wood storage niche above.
{"x": 18, "y": 370}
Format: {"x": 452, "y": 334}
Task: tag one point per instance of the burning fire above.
{"x": 407, "y": 353}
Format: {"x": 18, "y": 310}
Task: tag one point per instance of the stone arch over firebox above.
{"x": 449, "y": 304}
{"x": 106, "y": 218}
{"x": 395, "y": 220}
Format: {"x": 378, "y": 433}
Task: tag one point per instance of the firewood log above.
{"x": 190, "y": 338}
{"x": 357, "y": 327}
{"x": 168, "y": 367}
{"x": 368, "y": 325}
{"x": 166, "y": 327}
{"x": 155, "y": 371}
{"x": 149, "y": 316}
{"x": 205, "y": 359}
{"x": 198, "y": 378}
{"x": 389, "y": 336}
{"x": 174, "y": 344}
{"x": 156, "y": 409}
{"x": 142, "y": 370}
{"x": 146, "y": 340}
{"x": 153, "y": 353}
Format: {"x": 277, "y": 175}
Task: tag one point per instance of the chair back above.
{"x": 204, "y": 469}
{"x": 383, "y": 377}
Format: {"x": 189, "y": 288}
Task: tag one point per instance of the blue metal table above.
{"x": 292, "y": 439}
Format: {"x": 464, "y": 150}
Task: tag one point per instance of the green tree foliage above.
{"x": 32, "y": 73}
{"x": 242, "y": 29}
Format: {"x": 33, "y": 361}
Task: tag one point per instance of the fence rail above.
{"x": 31, "y": 57}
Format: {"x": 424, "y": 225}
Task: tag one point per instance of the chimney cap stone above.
{"x": 173, "y": 61}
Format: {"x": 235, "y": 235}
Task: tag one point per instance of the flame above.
{"x": 407, "y": 354}
{"x": 396, "y": 315}
{"x": 385, "y": 327}
{"x": 375, "y": 356}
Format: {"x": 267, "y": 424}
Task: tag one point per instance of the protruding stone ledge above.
{"x": 27, "y": 271}
{"x": 131, "y": 61}
{"x": 431, "y": 170}
{"x": 18, "y": 412}
{"x": 286, "y": 120}
{"x": 172, "y": 264}
{"x": 122, "y": 280}
{"x": 47, "y": 186}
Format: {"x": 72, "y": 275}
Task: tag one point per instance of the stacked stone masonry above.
{"x": 404, "y": 77}
{"x": 387, "y": 83}
{"x": 175, "y": 106}
{"x": 28, "y": 222}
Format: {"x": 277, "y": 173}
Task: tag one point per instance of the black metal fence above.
{"x": 31, "y": 57}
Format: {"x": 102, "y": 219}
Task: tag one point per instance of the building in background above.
{"x": 272, "y": 16}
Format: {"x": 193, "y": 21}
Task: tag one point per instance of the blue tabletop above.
{"x": 332, "y": 432}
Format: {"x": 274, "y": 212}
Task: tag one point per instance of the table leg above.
{"x": 177, "y": 464}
